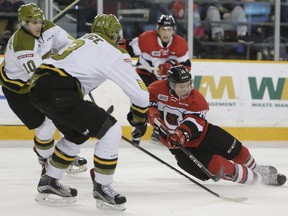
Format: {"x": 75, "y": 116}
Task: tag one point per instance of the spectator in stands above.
{"x": 178, "y": 8}
{"x": 5, "y": 6}
{"x": 16, "y": 5}
{"x": 14, "y": 20}
{"x": 233, "y": 18}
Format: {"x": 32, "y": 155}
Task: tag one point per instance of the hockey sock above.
{"x": 232, "y": 172}
{"x": 217, "y": 163}
{"x": 245, "y": 158}
{"x": 244, "y": 175}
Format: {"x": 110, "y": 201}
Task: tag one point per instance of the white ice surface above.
{"x": 151, "y": 188}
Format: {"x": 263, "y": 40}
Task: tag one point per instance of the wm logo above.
{"x": 277, "y": 92}
{"x": 207, "y": 83}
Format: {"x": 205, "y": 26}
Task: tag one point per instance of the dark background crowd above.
{"x": 139, "y": 16}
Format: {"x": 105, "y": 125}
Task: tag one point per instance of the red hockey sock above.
{"x": 217, "y": 162}
{"x": 232, "y": 172}
{"x": 245, "y": 158}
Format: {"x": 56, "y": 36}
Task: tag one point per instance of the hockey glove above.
{"x": 164, "y": 135}
{"x": 139, "y": 121}
{"x": 180, "y": 136}
{"x": 163, "y": 68}
{"x": 153, "y": 112}
{"x": 139, "y": 131}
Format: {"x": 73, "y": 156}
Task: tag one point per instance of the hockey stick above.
{"x": 190, "y": 155}
{"x": 232, "y": 199}
{"x": 92, "y": 98}
{"x": 109, "y": 110}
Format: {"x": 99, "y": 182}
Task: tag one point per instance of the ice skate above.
{"x": 79, "y": 165}
{"x": 274, "y": 179}
{"x": 265, "y": 169}
{"x": 51, "y": 191}
{"x": 106, "y": 197}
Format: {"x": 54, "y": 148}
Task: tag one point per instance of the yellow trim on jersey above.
{"x": 54, "y": 69}
{"x": 140, "y": 110}
{"x": 21, "y": 84}
{"x": 105, "y": 162}
{"x": 58, "y": 154}
{"x": 142, "y": 85}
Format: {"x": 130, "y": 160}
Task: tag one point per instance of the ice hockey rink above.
{"x": 151, "y": 188}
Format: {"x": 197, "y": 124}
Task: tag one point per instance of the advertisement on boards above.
{"x": 240, "y": 94}
{"x": 244, "y": 94}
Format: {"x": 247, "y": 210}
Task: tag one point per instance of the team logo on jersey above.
{"x": 25, "y": 56}
{"x": 127, "y": 60}
{"x": 156, "y": 53}
{"x": 162, "y": 52}
{"x": 163, "y": 97}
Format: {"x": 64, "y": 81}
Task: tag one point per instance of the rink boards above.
{"x": 247, "y": 98}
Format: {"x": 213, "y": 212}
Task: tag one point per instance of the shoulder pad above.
{"x": 23, "y": 41}
{"x": 113, "y": 43}
{"x": 47, "y": 25}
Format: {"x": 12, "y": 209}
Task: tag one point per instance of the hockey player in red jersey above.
{"x": 158, "y": 50}
{"x": 182, "y": 110}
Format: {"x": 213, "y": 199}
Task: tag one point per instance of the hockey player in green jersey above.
{"x": 25, "y": 51}
{"x": 57, "y": 89}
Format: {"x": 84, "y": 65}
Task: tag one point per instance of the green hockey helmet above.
{"x": 29, "y": 12}
{"x": 107, "y": 24}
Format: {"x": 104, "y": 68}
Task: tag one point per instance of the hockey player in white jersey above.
{"x": 26, "y": 49}
{"x": 57, "y": 89}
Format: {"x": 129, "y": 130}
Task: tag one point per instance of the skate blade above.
{"x": 103, "y": 205}
{"x": 54, "y": 199}
{"x": 76, "y": 169}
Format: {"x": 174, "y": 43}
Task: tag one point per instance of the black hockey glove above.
{"x": 140, "y": 127}
{"x": 139, "y": 131}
